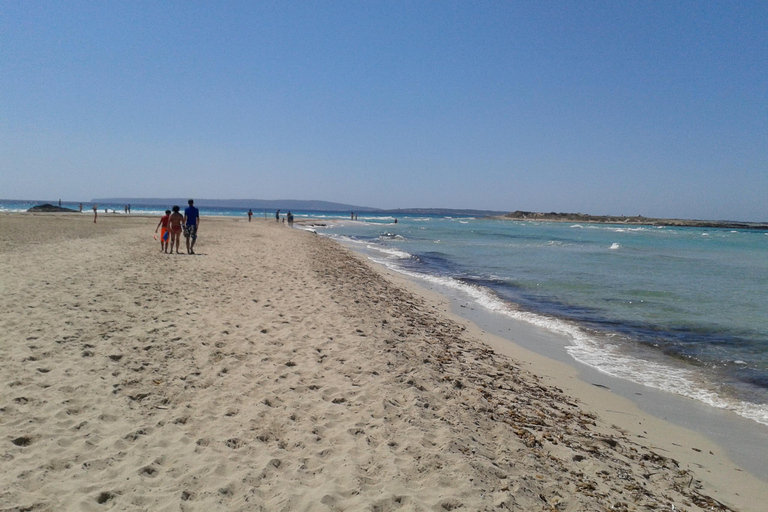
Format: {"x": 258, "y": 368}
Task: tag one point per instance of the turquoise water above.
{"x": 16, "y": 206}
{"x": 679, "y": 309}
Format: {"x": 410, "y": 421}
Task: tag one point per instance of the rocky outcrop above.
{"x": 639, "y": 219}
{"x": 49, "y": 208}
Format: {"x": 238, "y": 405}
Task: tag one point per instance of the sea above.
{"x": 680, "y": 309}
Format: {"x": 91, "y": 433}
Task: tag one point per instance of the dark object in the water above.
{"x": 49, "y": 208}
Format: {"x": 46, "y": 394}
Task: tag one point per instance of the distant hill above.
{"x": 293, "y": 204}
{"x": 259, "y": 204}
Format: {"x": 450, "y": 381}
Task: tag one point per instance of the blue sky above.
{"x": 652, "y": 108}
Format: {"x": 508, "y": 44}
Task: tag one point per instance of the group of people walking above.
{"x": 288, "y": 217}
{"x": 173, "y": 223}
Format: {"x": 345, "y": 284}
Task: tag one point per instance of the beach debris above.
{"x": 22, "y": 441}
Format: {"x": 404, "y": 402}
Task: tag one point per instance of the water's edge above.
{"x": 744, "y": 440}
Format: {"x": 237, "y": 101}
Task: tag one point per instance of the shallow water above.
{"x": 679, "y": 309}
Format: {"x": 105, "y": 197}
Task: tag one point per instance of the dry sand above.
{"x": 274, "y": 370}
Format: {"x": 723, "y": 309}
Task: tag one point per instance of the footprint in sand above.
{"x": 22, "y": 441}
{"x": 149, "y": 471}
{"x": 234, "y": 443}
{"x": 104, "y": 497}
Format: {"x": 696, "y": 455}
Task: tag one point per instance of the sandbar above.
{"x": 277, "y": 370}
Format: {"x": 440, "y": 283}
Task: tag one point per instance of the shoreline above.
{"x": 636, "y": 220}
{"x": 279, "y": 369}
{"x": 689, "y": 427}
{"x": 570, "y": 340}
{"x": 744, "y": 439}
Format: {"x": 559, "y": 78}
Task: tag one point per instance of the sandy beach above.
{"x": 277, "y": 371}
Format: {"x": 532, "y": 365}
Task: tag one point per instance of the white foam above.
{"x": 390, "y": 252}
{"x": 627, "y": 230}
{"x": 585, "y": 348}
{"x": 615, "y": 246}
{"x": 605, "y": 358}
{"x": 391, "y": 237}
{"x": 346, "y": 239}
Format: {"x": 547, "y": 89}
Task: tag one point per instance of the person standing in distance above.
{"x": 191, "y": 221}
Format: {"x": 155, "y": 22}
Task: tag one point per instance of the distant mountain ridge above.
{"x": 293, "y": 204}
{"x": 261, "y": 204}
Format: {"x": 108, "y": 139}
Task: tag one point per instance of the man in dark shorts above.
{"x": 191, "y": 221}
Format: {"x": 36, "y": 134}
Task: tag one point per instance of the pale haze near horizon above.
{"x": 601, "y": 108}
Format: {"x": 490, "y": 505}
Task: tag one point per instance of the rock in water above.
{"x": 49, "y": 208}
